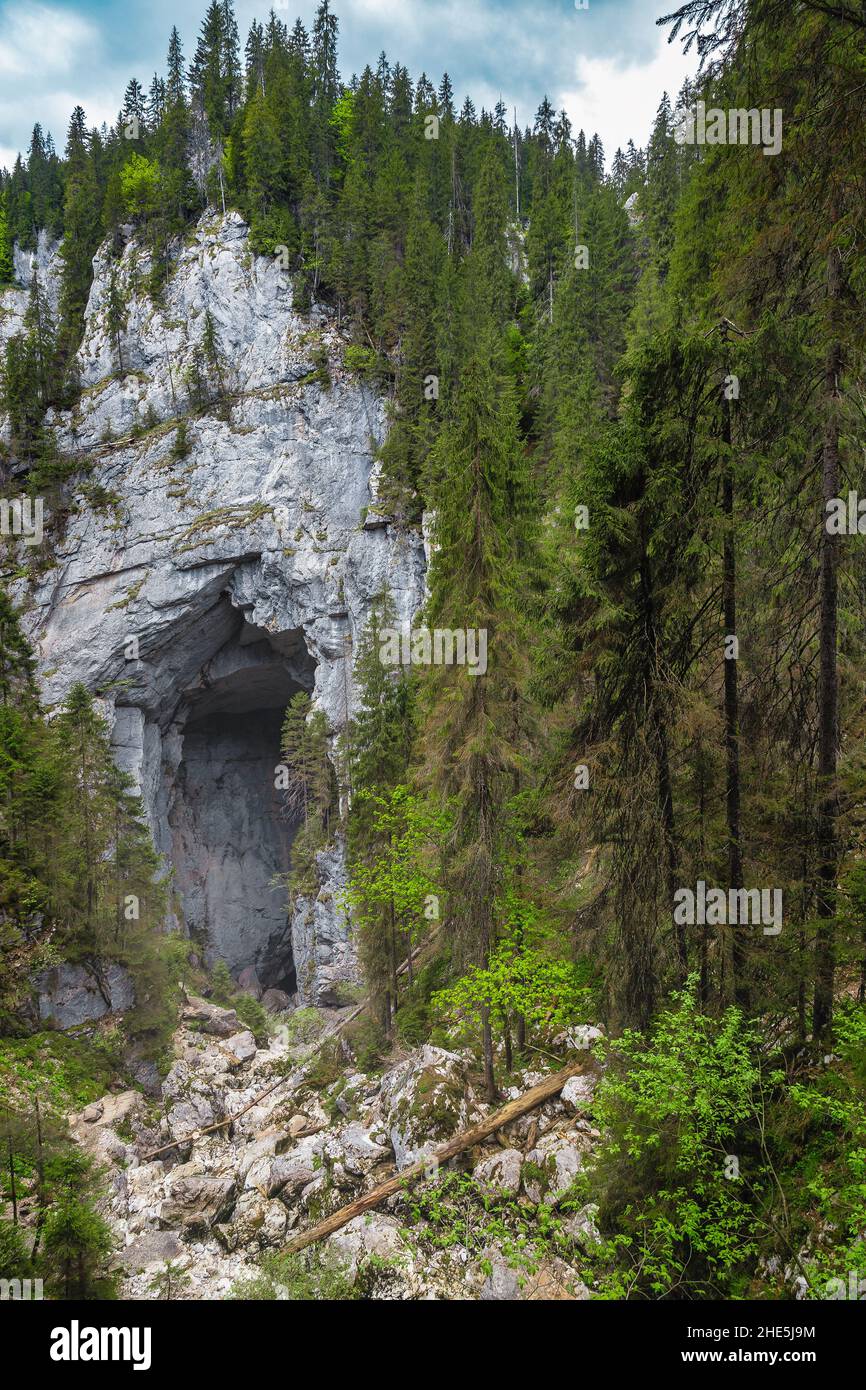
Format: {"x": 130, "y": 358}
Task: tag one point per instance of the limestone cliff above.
{"x": 195, "y": 592}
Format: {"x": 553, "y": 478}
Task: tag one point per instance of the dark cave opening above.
{"x": 231, "y": 836}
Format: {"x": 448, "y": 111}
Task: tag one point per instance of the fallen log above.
{"x": 545, "y": 1090}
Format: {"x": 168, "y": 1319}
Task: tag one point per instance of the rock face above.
{"x": 69, "y": 995}
{"x": 198, "y": 586}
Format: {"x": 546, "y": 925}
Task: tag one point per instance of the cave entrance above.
{"x": 229, "y": 828}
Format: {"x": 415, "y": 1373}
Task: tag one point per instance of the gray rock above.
{"x": 242, "y": 1047}
{"x": 580, "y": 1038}
{"x": 552, "y": 1281}
{"x": 69, "y": 995}
{"x": 249, "y": 982}
{"x": 500, "y": 1174}
{"x": 424, "y": 1101}
{"x": 560, "y": 1158}
{"x": 210, "y": 1018}
{"x": 276, "y": 1001}
{"x": 148, "y": 1077}
{"x": 149, "y": 1252}
{"x": 578, "y": 1091}
{"x": 195, "y": 1201}
{"x": 363, "y": 1236}
{"x": 357, "y": 1148}
{"x": 581, "y": 1226}
{"x": 289, "y": 1172}
{"x": 502, "y": 1283}
{"x": 242, "y": 572}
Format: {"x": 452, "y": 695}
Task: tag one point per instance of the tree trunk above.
{"x": 828, "y": 733}
{"x": 732, "y": 714}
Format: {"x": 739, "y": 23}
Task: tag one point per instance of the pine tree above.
{"x": 175, "y": 85}
{"x": 7, "y": 268}
{"x": 479, "y": 490}
{"x": 83, "y": 229}
{"x": 308, "y": 786}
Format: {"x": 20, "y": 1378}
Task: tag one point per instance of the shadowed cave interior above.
{"x": 229, "y": 828}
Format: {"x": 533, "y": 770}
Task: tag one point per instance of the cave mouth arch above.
{"x": 230, "y": 833}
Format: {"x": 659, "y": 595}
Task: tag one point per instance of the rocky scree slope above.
{"x": 213, "y": 1206}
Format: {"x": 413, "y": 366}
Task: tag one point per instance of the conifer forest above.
{"x": 433, "y": 663}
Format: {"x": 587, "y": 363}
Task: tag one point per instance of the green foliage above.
{"x": 77, "y": 868}
{"x": 304, "y": 1026}
{"x": 181, "y": 446}
{"x": 139, "y": 185}
{"x": 7, "y": 269}
{"x": 365, "y": 361}
{"x": 76, "y": 1243}
{"x": 14, "y": 1253}
{"x": 830, "y": 1180}
{"x": 455, "y": 1210}
{"x": 397, "y": 880}
{"x": 681, "y": 1220}
{"x": 301, "y": 1278}
{"x": 520, "y": 979}
{"x": 59, "y": 1069}
{"x": 306, "y": 781}
{"x": 169, "y": 1280}
{"x": 254, "y": 1017}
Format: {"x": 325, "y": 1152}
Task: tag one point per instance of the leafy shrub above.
{"x": 296, "y": 1278}
{"x": 304, "y": 1026}
{"x": 683, "y": 1170}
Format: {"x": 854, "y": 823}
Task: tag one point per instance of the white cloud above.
{"x": 39, "y": 40}
{"x": 620, "y": 102}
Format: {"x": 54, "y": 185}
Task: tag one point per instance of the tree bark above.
{"x": 732, "y": 713}
{"x": 828, "y": 733}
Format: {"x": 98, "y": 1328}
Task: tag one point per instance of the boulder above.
{"x": 194, "y": 1200}
{"x": 276, "y": 1001}
{"x": 550, "y": 1169}
{"x": 357, "y": 1149}
{"x": 289, "y": 1172}
{"x": 499, "y": 1175}
{"x": 209, "y": 1018}
{"x": 150, "y": 1252}
{"x": 580, "y": 1038}
{"x": 551, "y": 1281}
{"x": 372, "y": 1234}
{"x": 424, "y": 1101}
{"x": 241, "y": 1047}
{"x": 255, "y": 1221}
{"x": 578, "y": 1091}
{"x": 70, "y": 995}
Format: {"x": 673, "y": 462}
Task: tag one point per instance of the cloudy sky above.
{"x": 607, "y": 64}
